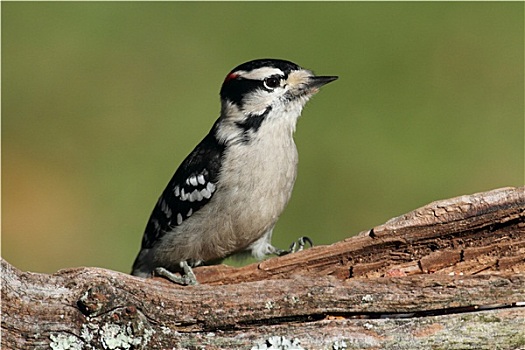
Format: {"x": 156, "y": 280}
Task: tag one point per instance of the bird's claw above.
{"x": 296, "y": 246}
{"x": 185, "y": 279}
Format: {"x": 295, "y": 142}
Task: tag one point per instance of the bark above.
{"x": 449, "y": 275}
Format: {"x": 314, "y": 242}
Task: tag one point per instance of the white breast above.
{"x": 265, "y": 175}
{"x": 254, "y": 186}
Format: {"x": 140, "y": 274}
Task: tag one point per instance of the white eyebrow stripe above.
{"x": 260, "y": 73}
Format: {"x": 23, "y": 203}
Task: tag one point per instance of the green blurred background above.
{"x": 102, "y": 101}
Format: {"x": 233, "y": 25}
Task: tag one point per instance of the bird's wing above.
{"x": 191, "y": 187}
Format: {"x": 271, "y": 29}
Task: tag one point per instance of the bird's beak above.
{"x": 315, "y": 82}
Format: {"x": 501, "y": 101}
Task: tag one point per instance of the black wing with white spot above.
{"x": 191, "y": 187}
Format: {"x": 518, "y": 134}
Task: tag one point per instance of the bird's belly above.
{"x": 262, "y": 190}
{"x": 239, "y": 213}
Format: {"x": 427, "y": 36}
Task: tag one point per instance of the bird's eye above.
{"x": 272, "y": 82}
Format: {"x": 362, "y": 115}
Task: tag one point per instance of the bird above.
{"x": 228, "y": 193}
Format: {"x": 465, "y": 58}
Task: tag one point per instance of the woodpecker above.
{"x": 226, "y": 196}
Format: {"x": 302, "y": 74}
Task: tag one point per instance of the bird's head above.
{"x": 255, "y": 86}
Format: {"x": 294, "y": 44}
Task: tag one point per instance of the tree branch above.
{"x": 417, "y": 281}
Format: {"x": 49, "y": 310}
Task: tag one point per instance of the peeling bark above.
{"x": 448, "y": 275}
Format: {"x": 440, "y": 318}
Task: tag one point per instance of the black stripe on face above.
{"x": 252, "y": 123}
{"x": 235, "y": 89}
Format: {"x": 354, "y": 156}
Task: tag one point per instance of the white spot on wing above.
{"x": 205, "y": 193}
{"x": 198, "y": 195}
{"x": 183, "y": 195}
{"x": 201, "y": 179}
{"x": 179, "y": 219}
{"x": 193, "y": 181}
{"x": 156, "y": 224}
{"x": 195, "y": 196}
{"x": 189, "y": 212}
{"x": 176, "y": 191}
{"x": 211, "y": 187}
{"x": 165, "y": 208}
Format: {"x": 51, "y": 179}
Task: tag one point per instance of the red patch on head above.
{"x": 231, "y": 76}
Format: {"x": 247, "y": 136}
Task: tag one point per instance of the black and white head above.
{"x": 268, "y": 88}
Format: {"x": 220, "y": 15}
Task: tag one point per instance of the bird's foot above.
{"x": 295, "y": 247}
{"x": 185, "y": 279}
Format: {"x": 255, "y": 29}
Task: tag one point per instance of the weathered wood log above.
{"x": 448, "y": 275}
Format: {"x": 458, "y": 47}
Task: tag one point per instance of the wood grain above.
{"x": 448, "y": 275}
